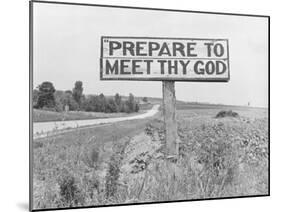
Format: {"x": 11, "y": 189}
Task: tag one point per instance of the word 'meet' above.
{"x": 164, "y": 59}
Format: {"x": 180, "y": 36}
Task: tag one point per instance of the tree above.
{"x": 35, "y": 95}
{"x": 131, "y": 102}
{"x": 73, "y": 105}
{"x": 60, "y": 99}
{"x": 91, "y": 103}
{"x": 118, "y": 101}
{"x": 63, "y": 99}
{"x": 77, "y": 92}
{"x": 46, "y": 96}
{"x": 131, "y": 105}
{"x": 102, "y": 103}
{"x": 111, "y": 106}
{"x": 124, "y": 107}
{"x": 137, "y": 107}
{"x": 144, "y": 99}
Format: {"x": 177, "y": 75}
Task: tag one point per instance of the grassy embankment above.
{"x": 124, "y": 163}
{"x": 78, "y": 161}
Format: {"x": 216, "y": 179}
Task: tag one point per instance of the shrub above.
{"x": 37, "y": 145}
{"x": 112, "y": 177}
{"x": 225, "y": 113}
{"x": 69, "y": 191}
{"x": 111, "y": 106}
{"x": 91, "y": 185}
{"x": 215, "y": 156}
{"x": 91, "y": 158}
{"x": 156, "y": 131}
{"x": 144, "y": 99}
{"x": 91, "y": 103}
{"x": 113, "y": 172}
{"x": 63, "y": 98}
{"x": 125, "y": 108}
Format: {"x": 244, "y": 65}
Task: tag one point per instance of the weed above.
{"x": 69, "y": 191}
{"x": 37, "y": 145}
{"x": 112, "y": 177}
{"x": 91, "y": 157}
{"x": 228, "y": 113}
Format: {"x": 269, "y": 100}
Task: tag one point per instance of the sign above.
{"x": 172, "y": 59}
{"x": 167, "y": 60}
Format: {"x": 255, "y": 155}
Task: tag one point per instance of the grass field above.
{"x": 45, "y": 116}
{"x": 124, "y": 162}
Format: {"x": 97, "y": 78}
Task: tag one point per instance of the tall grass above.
{"x": 214, "y": 162}
{"x": 217, "y": 158}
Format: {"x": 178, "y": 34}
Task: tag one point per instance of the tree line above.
{"x": 46, "y": 97}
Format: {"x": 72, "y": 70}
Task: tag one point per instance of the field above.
{"x": 45, "y": 116}
{"x": 124, "y": 162}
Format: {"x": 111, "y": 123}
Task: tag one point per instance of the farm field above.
{"x": 124, "y": 162}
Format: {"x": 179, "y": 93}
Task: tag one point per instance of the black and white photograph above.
{"x": 136, "y": 105}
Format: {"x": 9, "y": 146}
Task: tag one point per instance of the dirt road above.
{"x": 43, "y": 129}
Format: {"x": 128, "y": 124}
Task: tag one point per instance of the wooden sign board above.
{"x": 161, "y": 59}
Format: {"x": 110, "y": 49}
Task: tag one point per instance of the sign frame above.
{"x": 194, "y": 79}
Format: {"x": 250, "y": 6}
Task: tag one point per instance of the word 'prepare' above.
{"x": 164, "y": 59}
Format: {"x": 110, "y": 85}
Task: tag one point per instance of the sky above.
{"x": 66, "y": 48}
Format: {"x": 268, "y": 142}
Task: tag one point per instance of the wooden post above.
{"x": 169, "y": 112}
{"x": 170, "y": 126}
